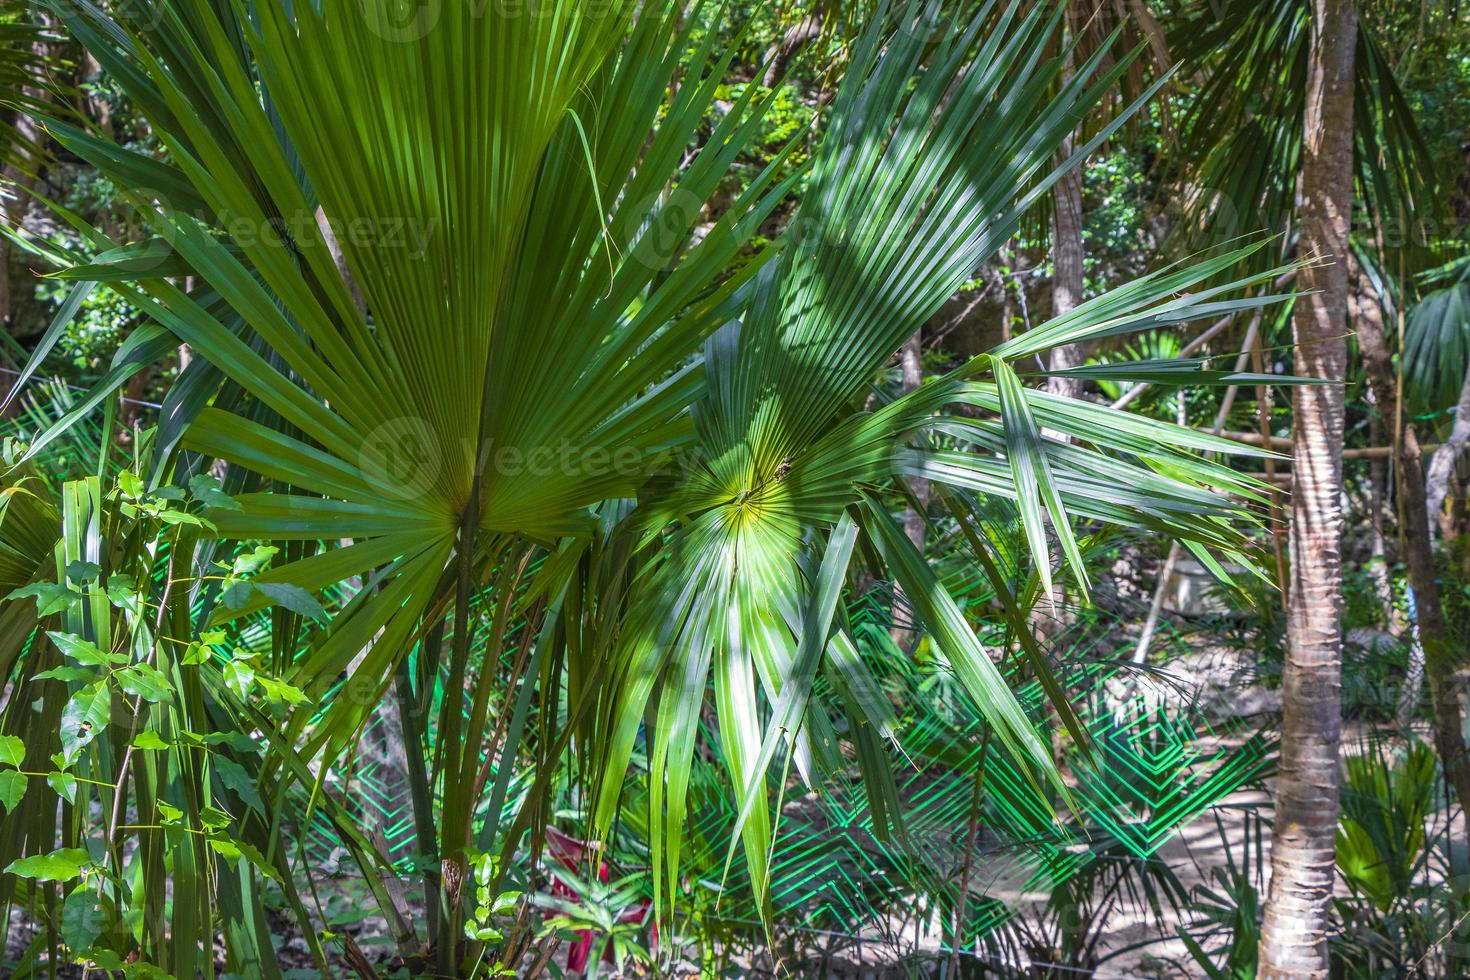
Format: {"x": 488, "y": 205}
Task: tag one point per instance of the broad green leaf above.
{"x": 233, "y": 775}
{"x": 237, "y": 594}
{"x": 50, "y": 597}
{"x": 206, "y": 489}
{"x": 12, "y": 750}
{"x": 234, "y": 849}
{"x": 239, "y": 677}
{"x": 145, "y": 681}
{"x": 67, "y": 674}
{"x": 214, "y": 818}
{"x": 82, "y": 572}
{"x": 279, "y": 692}
{"x": 122, "y": 592}
{"x": 131, "y": 486}
{"x": 64, "y": 784}
{"x": 85, "y": 651}
{"x": 251, "y": 562}
{"x": 12, "y": 788}
{"x": 183, "y": 517}
{"x": 85, "y": 716}
{"x": 291, "y": 597}
{"x": 62, "y": 864}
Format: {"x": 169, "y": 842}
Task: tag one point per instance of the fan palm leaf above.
{"x": 459, "y": 194}
{"x": 1437, "y": 339}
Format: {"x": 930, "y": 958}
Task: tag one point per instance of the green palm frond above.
{"x": 1437, "y": 346}
{"x": 1437, "y": 339}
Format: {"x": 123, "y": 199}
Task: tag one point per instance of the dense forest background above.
{"x": 973, "y": 649}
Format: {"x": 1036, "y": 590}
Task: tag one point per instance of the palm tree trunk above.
{"x": 1294, "y": 934}
{"x": 1264, "y": 398}
{"x": 1438, "y": 659}
{"x": 1066, "y": 251}
{"x": 1067, "y": 273}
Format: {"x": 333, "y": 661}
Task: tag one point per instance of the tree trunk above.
{"x": 1303, "y": 849}
{"x": 1377, "y": 544}
{"x": 1066, "y": 263}
{"x": 1264, "y": 397}
{"x": 779, "y": 56}
{"x": 1066, "y": 253}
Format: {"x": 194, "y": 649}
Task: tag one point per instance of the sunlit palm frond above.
{"x": 933, "y": 153}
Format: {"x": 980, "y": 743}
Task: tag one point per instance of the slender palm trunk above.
{"x": 1377, "y": 543}
{"x": 1066, "y": 248}
{"x": 1294, "y": 935}
{"x": 1383, "y": 386}
{"x": 1264, "y": 397}
{"x": 1067, "y": 271}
